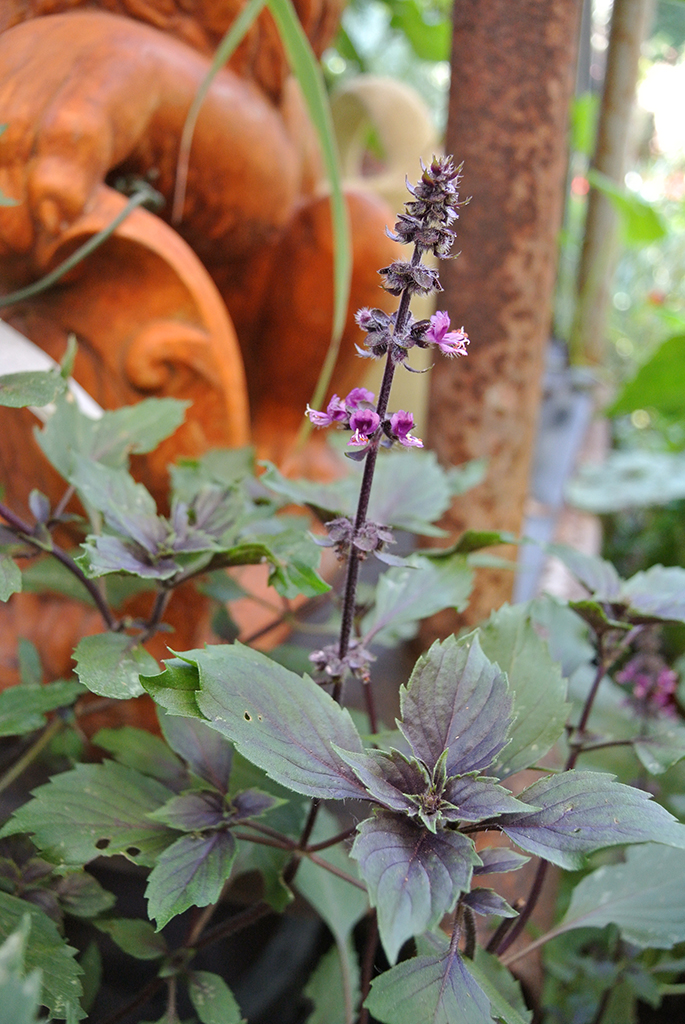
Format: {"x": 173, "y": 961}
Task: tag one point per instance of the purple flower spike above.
{"x": 357, "y": 396}
{"x": 335, "y": 413}
{"x": 450, "y": 343}
{"x": 364, "y": 423}
{"x": 401, "y": 423}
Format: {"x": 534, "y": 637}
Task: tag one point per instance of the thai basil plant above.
{"x": 263, "y": 767}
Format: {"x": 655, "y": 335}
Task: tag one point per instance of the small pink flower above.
{"x": 335, "y": 413}
{"x": 357, "y": 396}
{"x": 450, "y": 343}
{"x": 364, "y": 423}
{"x": 401, "y": 423}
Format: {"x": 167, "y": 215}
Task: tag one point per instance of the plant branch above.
{"x": 25, "y": 533}
{"x": 339, "y": 838}
{"x": 367, "y": 965}
{"x": 20, "y": 766}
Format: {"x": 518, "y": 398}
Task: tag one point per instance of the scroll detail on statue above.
{"x": 232, "y": 308}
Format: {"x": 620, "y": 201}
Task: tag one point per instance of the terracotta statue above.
{"x": 231, "y": 307}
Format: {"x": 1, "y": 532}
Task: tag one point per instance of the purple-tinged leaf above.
{"x": 658, "y": 592}
{"x": 580, "y": 812}
{"x": 190, "y": 873}
{"x": 429, "y": 990}
{"x": 488, "y": 902}
{"x": 456, "y": 699}
{"x": 206, "y": 752}
{"x": 191, "y": 812}
{"x": 499, "y": 859}
{"x": 414, "y": 876}
{"x": 284, "y": 723}
{"x": 252, "y": 803}
{"x": 105, "y": 554}
{"x": 389, "y": 778}
{"x": 596, "y": 575}
{"x": 476, "y": 799}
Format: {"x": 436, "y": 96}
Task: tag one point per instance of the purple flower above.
{"x": 363, "y": 423}
{"x": 357, "y": 396}
{"x": 450, "y": 343}
{"x": 401, "y": 423}
{"x": 335, "y": 413}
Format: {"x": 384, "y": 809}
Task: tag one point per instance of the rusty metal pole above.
{"x": 512, "y": 81}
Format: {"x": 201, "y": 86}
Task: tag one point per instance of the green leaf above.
{"x": 658, "y": 384}
{"x": 429, "y": 38}
{"x": 10, "y": 577}
{"x": 20, "y": 994}
{"x": 148, "y": 754}
{"x": 579, "y": 812}
{"x": 46, "y": 951}
{"x": 212, "y": 999}
{"x": 136, "y": 937}
{"x": 30, "y": 668}
{"x": 628, "y": 479}
{"x": 69, "y": 436}
{"x": 644, "y": 897}
{"x": 333, "y": 986}
{"x": 661, "y": 744}
{"x": 95, "y": 810}
{"x": 501, "y": 988}
{"x": 429, "y": 990}
{"x": 175, "y": 689}
{"x": 337, "y": 902}
{"x": 110, "y": 665}
{"x": 406, "y": 595}
{"x": 411, "y": 490}
{"x": 31, "y": 387}
{"x": 23, "y": 708}
{"x": 47, "y": 574}
{"x": 284, "y": 723}
{"x": 584, "y": 110}
{"x": 189, "y": 873}
{"x": 596, "y": 574}
{"x": 540, "y": 710}
{"x": 641, "y": 223}
{"x": 658, "y": 592}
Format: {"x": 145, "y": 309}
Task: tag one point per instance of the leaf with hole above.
{"x": 285, "y": 724}
{"x": 95, "y": 810}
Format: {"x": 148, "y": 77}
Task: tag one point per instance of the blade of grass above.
{"x": 226, "y": 47}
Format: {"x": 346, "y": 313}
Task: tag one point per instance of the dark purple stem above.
{"x": 25, "y": 533}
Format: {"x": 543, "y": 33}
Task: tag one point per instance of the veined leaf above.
{"x": 95, "y": 810}
{"x": 429, "y": 989}
{"x": 540, "y": 710}
{"x": 23, "y": 708}
{"x": 10, "y": 577}
{"x": 110, "y": 665}
{"x": 31, "y": 387}
{"x": 206, "y": 752}
{"x": 46, "y": 951}
{"x": 644, "y": 897}
{"x": 285, "y": 724}
{"x": 414, "y": 876}
{"x": 457, "y": 699}
{"x": 136, "y": 937}
{"x": 579, "y": 812}
{"x": 406, "y": 595}
{"x": 189, "y": 873}
{"x": 212, "y": 999}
